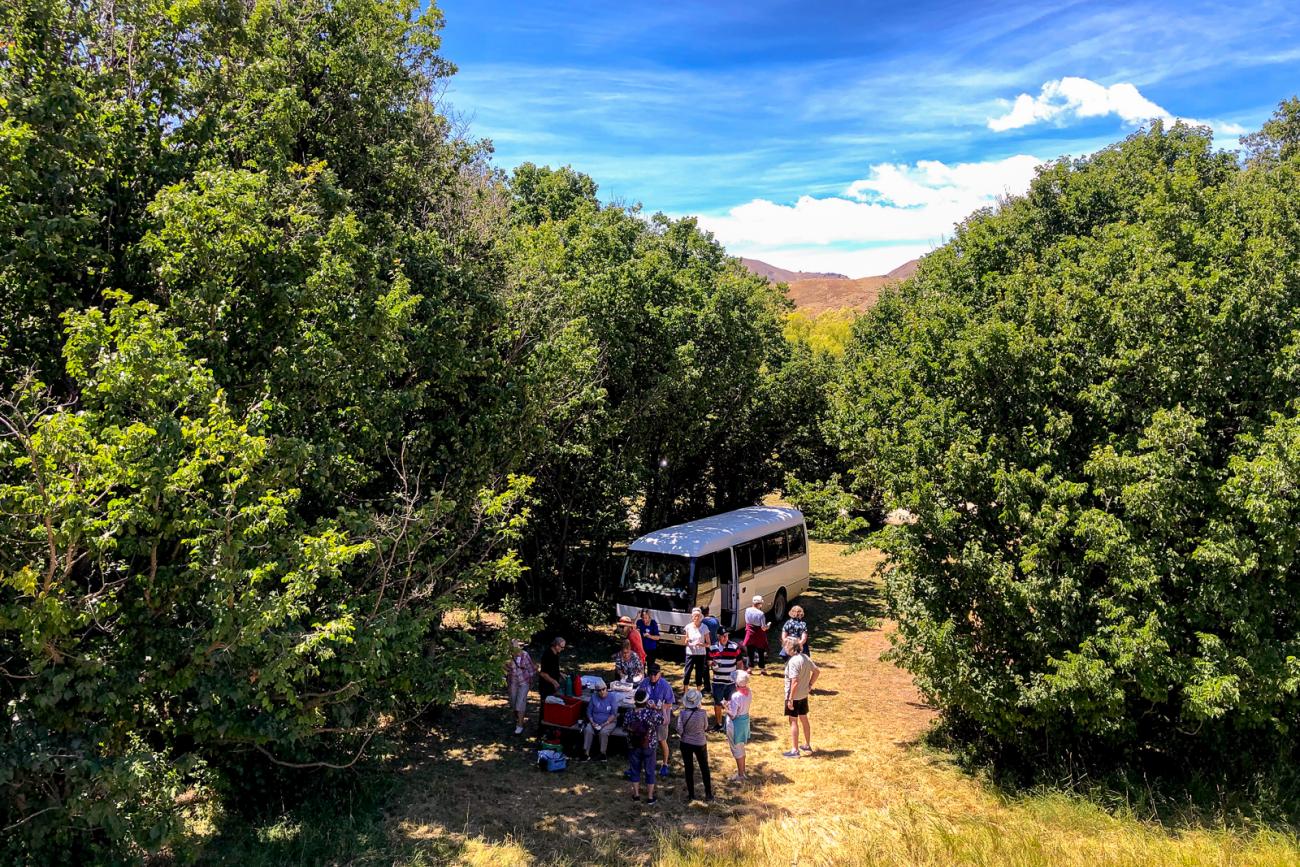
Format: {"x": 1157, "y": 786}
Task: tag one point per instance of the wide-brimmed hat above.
{"x": 516, "y": 644}
{"x": 692, "y": 698}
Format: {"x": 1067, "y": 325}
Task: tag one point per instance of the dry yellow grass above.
{"x": 872, "y": 795}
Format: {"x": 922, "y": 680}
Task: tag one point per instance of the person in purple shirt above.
{"x": 602, "y": 714}
{"x": 660, "y": 696}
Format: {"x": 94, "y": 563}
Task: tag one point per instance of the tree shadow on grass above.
{"x": 837, "y": 608}
{"x": 341, "y": 819}
{"x": 471, "y": 780}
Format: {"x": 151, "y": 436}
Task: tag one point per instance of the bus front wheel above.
{"x": 778, "y": 607}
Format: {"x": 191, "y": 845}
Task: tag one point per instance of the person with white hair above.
{"x": 738, "y": 731}
{"x": 800, "y": 675}
{"x": 697, "y": 651}
{"x": 755, "y": 640}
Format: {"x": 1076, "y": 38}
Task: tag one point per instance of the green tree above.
{"x": 1087, "y": 400}
{"x": 321, "y": 314}
{"x": 651, "y": 353}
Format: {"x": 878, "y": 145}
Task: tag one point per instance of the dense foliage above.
{"x": 247, "y": 492}
{"x": 1088, "y": 400}
{"x": 811, "y": 465}
{"x": 282, "y": 355}
{"x": 654, "y": 358}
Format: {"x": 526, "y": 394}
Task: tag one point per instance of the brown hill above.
{"x": 818, "y": 292}
{"x": 905, "y": 270}
{"x": 783, "y": 275}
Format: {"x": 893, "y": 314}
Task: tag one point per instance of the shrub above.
{"x": 1088, "y": 401}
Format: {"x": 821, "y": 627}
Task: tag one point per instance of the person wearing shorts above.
{"x": 725, "y": 658}
{"x": 738, "y": 732}
{"x": 800, "y": 675}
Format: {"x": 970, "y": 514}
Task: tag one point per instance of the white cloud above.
{"x": 900, "y": 210}
{"x": 1062, "y": 99}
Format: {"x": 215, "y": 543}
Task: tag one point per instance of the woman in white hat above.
{"x": 519, "y": 679}
{"x": 755, "y": 643}
{"x": 738, "y": 724}
{"x": 692, "y": 723}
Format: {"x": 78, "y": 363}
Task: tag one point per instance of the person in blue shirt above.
{"x": 602, "y": 714}
{"x": 649, "y": 629}
{"x": 660, "y": 696}
{"x": 711, "y": 623}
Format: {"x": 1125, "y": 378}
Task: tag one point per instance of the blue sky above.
{"x": 849, "y": 137}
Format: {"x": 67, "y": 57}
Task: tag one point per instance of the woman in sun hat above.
{"x": 738, "y": 724}
{"x": 755, "y": 642}
{"x": 625, "y": 630}
{"x": 520, "y": 672}
{"x": 692, "y": 723}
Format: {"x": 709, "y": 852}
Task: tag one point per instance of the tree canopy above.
{"x": 1087, "y": 399}
{"x": 288, "y": 370}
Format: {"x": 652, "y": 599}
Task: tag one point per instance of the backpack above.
{"x": 638, "y": 731}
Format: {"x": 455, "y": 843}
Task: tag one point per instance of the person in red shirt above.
{"x": 625, "y": 630}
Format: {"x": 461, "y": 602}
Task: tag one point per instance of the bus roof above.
{"x": 719, "y": 531}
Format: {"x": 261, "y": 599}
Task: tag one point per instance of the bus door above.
{"x": 730, "y": 592}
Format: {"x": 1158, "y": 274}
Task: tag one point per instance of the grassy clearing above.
{"x": 874, "y": 794}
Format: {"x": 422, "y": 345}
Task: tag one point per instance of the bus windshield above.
{"x": 660, "y": 575}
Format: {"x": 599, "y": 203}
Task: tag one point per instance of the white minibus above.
{"x": 720, "y": 562}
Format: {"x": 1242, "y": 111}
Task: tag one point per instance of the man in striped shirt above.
{"x": 724, "y": 658}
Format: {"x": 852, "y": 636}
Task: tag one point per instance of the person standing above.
{"x": 691, "y": 728}
{"x": 627, "y": 632}
{"x": 641, "y": 725}
{"x": 800, "y": 675}
{"x": 710, "y": 623}
{"x": 797, "y": 628}
{"x": 602, "y": 714}
{"x": 648, "y": 628}
{"x": 697, "y": 650}
{"x": 724, "y": 658}
{"x": 660, "y": 696}
{"x": 755, "y": 641}
{"x": 738, "y": 724}
{"x": 520, "y": 672}
{"x": 549, "y": 674}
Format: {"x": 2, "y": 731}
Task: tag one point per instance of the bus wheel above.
{"x": 778, "y": 607}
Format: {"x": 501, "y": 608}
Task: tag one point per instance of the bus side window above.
{"x": 706, "y": 579}
{"x": 775, "y": 545}
{"x": 798, "y": 544}
{"x": 755, "y": 550}
{"x": 742, "y": 562}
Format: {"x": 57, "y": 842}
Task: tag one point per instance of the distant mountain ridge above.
{"x": 782, "y": 275}
{"x": 819, "y": 292}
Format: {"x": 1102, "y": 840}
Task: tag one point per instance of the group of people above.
{"x": 718, "y": 665}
